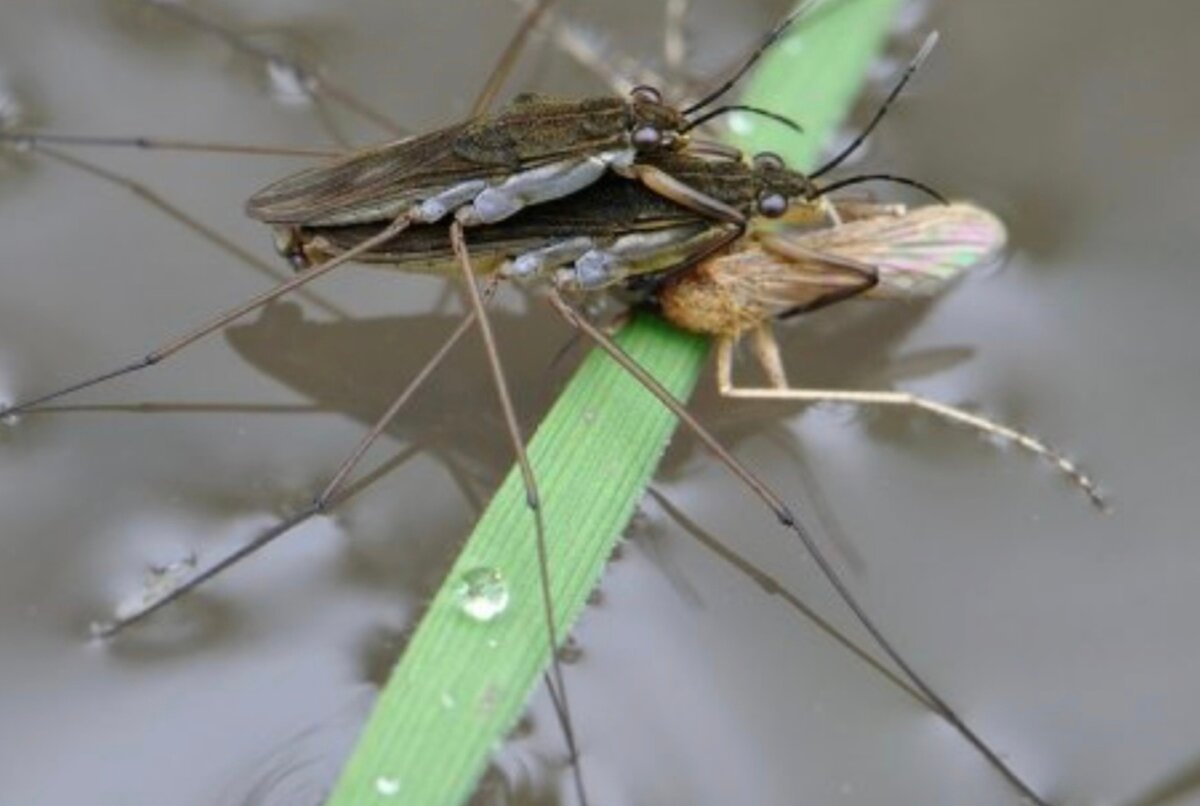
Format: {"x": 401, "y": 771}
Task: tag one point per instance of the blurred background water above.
{"x": 1064, "y": 636}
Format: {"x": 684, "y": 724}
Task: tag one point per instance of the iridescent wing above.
{"x": 919, "y": 252}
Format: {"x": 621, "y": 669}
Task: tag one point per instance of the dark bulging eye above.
{"x": 769, "y": 159}
{"x": 772, "y": 205}
{"x": 646, "y": 137}
{"x": 645, "y": 94}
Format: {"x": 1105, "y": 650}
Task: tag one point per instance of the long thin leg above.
{"x": 40, "y": 139}
{"x": 774, "y": 587}
{"x": 789, "y": 521}
{"x": 558, "y": 691}
{"x": 620, "y": 72}
{"x": 343, "y": 472}
{"x": 157, "y": 201}
{"x": 495, "y": 82}
{"x": 166, "y": 351}
{"x": 508, "y": 58}
{"x": 767, "y": 352}
{"x": 329, "y": 495}
{"x": 667, "y": 186}
{"x": 311, "y": 80}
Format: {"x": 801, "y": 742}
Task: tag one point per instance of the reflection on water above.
{"x": 1059, "y": 633}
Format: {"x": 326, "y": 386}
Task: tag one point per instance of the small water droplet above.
{"x": 482, "y": 593}
{"x": 493, "y": 643}
{"x": 387, "y": 786}
{"x": 448, "y": 700}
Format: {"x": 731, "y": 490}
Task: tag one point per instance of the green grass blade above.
{"x": 462, "y": 683}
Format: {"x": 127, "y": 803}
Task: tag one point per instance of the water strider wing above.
{"x": 381, "y": 182}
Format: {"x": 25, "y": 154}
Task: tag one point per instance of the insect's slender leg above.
{"x": 681, "y": 193}
{"x": 558, "y": 689}
{"x": 789, "y": 521}
{"x": 160, "y": 354}
{"x": 339, "y": 477}
{"x": 618, "y": 71}
{"x": 766, "y": 350}
{"x": 950, "y": 413}
{"x": 312, "y": 81}
{"x": 36, "y": 139}
{"x": 156, "y": 200}
{"x": 493, "y": 85}
{"x": 830, "y": 210}
{"x": 773, "y": 587}
{"x": 332, "y": 493}
{"x": 508, "y": 58}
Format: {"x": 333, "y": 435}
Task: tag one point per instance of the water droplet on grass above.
{"x": 482, "y": 593}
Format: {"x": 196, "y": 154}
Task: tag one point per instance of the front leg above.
{"x": 667, "y": 186}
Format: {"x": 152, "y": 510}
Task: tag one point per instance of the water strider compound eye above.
{"x": 769, "y": 159}
{"x": 645, "y": 94}
{"x": 772, "y": 205}
{"x": 646, "y": 137}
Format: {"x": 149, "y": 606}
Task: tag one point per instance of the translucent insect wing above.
{"x": 918, "y": 253}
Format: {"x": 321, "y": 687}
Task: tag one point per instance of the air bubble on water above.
{"x": 12, "y": 111}
{"x": 8, "y": 419}
{"x": 100, "y": 629}
{"x": 290, "y": 84}
{"x": 482, "y": 593}
{"x": 387, "y": 786}
{"x": 158, "y": 582}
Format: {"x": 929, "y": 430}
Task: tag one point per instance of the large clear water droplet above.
{"x": 482, "y": 593}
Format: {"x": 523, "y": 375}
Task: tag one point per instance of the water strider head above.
{"x": 778, "y": 186}
{"x": 654, "y": 124}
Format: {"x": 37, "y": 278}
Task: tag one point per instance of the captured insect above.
{"x": 888, "y": 253}
{"x": 303, "y": 244}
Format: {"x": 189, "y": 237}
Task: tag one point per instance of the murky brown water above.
{"x": 1064, "y": 636}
